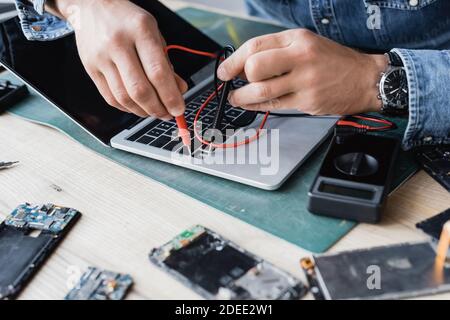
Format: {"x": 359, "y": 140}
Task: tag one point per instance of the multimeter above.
{"x": 355, "y": 178}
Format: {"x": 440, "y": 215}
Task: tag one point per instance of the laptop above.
{"x": 54, "y": 70}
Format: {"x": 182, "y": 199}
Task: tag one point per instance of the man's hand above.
{"x": 123, "y": 52}
{"x": 298, "y": 69}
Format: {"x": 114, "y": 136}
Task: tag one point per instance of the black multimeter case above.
{"x": 355, "y": 178}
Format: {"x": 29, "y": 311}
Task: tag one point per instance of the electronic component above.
{"x": 46, "y": 217}
{"x": 435, "y": 160}
{"x": 355, "y": 178}
{"x": 28, "y": 236}
{"x": 391, "y": 272}
{"x": 218, "y": 269}
{"x": 433, "y": 226}
{"x": 98, "y": 284}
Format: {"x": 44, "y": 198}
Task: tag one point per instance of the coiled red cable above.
{"x": 208, "y": 100}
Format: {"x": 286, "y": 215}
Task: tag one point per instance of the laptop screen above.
{"x": 55, "y": 70}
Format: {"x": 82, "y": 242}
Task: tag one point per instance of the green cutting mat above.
{"x": 282, "y": 213}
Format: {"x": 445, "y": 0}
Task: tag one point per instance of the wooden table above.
{"x": 126, "y": 214}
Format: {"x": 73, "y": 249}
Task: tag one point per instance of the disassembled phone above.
{"x": 435, "y": 160}
{"x": 218, "y": 269}
{"x": 98, "y": 284}
{"x": 433, "y": 226}
{"x": 390, "y": 272}
{"x": 27, "y": 237}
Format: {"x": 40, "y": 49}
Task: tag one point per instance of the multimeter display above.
{"x": 346, "y": 191}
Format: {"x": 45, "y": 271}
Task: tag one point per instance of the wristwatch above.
{"x": 393, "y": 87}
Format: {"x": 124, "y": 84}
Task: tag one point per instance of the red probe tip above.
{"x": 183, "y": 131}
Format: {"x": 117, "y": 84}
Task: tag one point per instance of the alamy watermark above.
{"x": 262, "y": 152}
{"x": 374, "y": 280}
{"x": 374, "y": 19}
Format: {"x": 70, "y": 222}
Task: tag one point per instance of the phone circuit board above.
{"x": 96, "y": 284}
{"x": 27, "y": 237}
{"x": 219, "y": 269}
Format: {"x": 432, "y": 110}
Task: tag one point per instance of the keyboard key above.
{"x": 165, "y": 126}
{"x": 208, "y": 120}
{"x": 201, "y": 100}
{"x": 192, "y": 107}
{"x": 245, "y": 119}
{"x": 155, "y": 133}
{"x": 233, "y": 113}
{"x": 161, "y": 141}
{"x": 173, "y": 145}
{"x": 145, "y": 140}
{"x": 212, "y": 104}
{"x": 190, "y": 119}
{"x": 170, "y": 131}
{"x": 144, "y": 130}
{"x": 188, "y": 112}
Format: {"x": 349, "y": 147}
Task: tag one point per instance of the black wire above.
{"x": 225, "y": 53}
{"x": 296, "y": 115}
{"x": 222, "y": 97}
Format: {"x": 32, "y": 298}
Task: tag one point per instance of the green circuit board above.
{"x": 46, "y": 217}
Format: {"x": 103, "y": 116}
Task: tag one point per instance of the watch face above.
{"x": 395, "y": 88}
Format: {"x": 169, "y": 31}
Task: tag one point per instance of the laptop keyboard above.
{"x": 160, "y": 134}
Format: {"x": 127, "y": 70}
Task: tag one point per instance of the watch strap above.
{"x": 394, "y": 59}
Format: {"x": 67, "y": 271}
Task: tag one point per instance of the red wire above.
{"x": 388, "y": 124}
{"x": 224, "y": 145}
{"x": 196, "y": 52}
{"x": 208, "y": 100}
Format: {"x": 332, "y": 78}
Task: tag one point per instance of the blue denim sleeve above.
{"x": 428, "y": 73}
{"x": 39, "y": 25}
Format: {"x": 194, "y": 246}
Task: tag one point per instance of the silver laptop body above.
{"x": 265, "y": 163}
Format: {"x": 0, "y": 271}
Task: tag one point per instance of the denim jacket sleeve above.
{"x": 39, "y": 25}
{"x": 428, "y": 73}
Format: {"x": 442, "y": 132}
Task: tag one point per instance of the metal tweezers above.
{"x": 7, "y": 165}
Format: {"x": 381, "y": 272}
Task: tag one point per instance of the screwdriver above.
{"x": 7, "y": 165}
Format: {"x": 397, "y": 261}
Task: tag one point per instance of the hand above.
{"x": 123, "y": 52}
{"x": 298, "y": 69}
